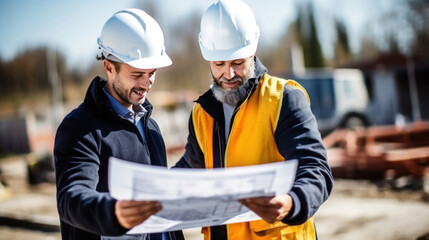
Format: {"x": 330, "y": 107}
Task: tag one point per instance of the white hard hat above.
{"x": 228, "y": 31}
{"x": 135, "y": 38}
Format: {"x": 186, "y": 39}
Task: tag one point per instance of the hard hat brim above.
{"x": 149, "y": 63}
{"x": 228, "y": 54}
{"x": 140, "y": 63}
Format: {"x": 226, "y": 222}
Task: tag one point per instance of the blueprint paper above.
{"x": 197, "y": 197}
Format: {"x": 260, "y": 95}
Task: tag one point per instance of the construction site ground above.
{"x": 357, "y": 209}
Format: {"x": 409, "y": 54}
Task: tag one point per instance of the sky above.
{"x": 72, "y": 27}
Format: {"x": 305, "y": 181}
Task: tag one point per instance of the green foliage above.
{"x": 308, "y": 37}
{"x": 342, "y": 50}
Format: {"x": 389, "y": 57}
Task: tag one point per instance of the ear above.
{"x": 108, "y": 66}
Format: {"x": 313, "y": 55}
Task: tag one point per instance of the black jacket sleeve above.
{"x": 297, "y": 137}
{"x": 77, "y": 167}
{"x": 193, "y": 156}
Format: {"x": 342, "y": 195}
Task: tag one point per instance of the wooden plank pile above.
{"x": 380, "y": 152}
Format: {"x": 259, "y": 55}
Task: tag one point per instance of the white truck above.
{"x": 339, "y": 97}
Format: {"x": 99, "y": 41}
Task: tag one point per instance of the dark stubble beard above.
{"x": 233, "y": 96}
{"x": 123, "y": 94}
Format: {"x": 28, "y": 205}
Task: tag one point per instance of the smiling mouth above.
{"x": 141, "y": 93}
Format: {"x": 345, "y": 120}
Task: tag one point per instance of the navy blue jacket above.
{"x": 85, "y": 139}
{"x": 297, "y": 137}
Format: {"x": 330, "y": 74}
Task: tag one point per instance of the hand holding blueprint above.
{"x": 197, "y": 197}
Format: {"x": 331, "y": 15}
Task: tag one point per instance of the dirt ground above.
{"x": 355, "y": 210}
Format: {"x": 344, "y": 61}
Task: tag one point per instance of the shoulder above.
{"x": 75, "y": 125}
{"x": 77, "y": 116}
{"x": 293, "y": 87}
{"x": 294, "y": 97}
{"x": 288, "y": 85}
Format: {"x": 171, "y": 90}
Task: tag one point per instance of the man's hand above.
{"x": 131, "y": 213}
{"x": 270, "y": 209}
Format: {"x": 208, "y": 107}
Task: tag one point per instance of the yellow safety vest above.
{"x": 251, "y": 142}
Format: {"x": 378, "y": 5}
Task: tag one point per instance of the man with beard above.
{"x": 113, "y": 121}
{"x": 249, "y": 117}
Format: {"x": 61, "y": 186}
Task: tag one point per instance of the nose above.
{"x": 229, "y": 72}
{"x": 145, "y": 82}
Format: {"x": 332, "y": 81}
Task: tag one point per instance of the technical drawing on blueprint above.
{"x": 197, "y": 197}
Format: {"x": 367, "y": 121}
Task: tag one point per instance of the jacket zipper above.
{"x": 219, "y": 136}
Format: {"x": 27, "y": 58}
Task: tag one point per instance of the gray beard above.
{"x": 232, "y": 96}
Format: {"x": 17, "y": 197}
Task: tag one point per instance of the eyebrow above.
{"x": 141, "y": 72}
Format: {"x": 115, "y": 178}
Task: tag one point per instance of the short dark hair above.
{"x": 117, "y": 65}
